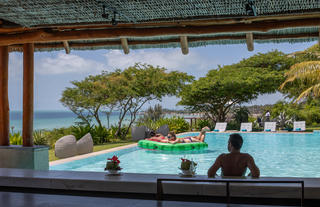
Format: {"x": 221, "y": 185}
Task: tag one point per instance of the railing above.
{"x": 227, "y": 181}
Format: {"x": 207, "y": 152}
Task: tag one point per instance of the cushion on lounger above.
{"x": 85, "y": 144}
{"x": 268, "y": 130}
{"x": 244, "y": 130}
{"x": 216, "y": 130}
{"x": 65, "y": 147}
{"x": 298, "y": 129}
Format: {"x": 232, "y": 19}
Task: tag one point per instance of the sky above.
{"x": 55, "y": 70}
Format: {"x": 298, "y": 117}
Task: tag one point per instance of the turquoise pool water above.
{"x": 280, "y": 155}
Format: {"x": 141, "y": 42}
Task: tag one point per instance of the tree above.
{"x": 306, "y": 77}
{"x": 81, "y": 100}
{"x": 225, "y": 87}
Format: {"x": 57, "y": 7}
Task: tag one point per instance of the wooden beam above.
{"x": 319, "y": 38}
{"x": 28, "y": 78}
{"x": 184, "y": 45}
{"x": 175, "y": 40}
{"x": 4, "y": 101}
{"x": 54, "y": 36}
{"x": 66, "y": 47}
{"x": 125, "y": 46}
{"x": 249, "y": 39}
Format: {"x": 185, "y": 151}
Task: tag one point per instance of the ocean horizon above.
{"x": 50, "y": 119}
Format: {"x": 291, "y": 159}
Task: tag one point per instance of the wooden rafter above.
{"x": 184, "y": 45}
{"x": 66, "y": 47}
{"x": 125, "y": 46}
{"x": 249, "y": 40}
{"x": 54, "y": 36}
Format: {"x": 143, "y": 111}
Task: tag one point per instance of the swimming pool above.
{"x": 276, "y": 154}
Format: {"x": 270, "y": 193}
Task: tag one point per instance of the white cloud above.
{"x": 67, "y": 63}
{"x": 172, "y": 59}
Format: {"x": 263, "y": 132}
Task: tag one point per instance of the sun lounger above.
{"x": 269, "y": 126}
{"x": 220, "y": 127}
{"x": 246, "y": 127}
{"x": 299, "y": 126}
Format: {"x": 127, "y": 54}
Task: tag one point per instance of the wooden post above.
{"x": 184, "y": 44}
{"x": 249, "y": 37}
{"x": 28, "y": 77}
{"x": 125, "y": 46}
{"x": 319, "y": 38}
{"x": 66, "y": 47}
{"x": 4, "y": 101}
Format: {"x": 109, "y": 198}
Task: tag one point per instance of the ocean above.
{"x": 55, "y": 119}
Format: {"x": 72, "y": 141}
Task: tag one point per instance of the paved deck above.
{"x": 12, "y": 199}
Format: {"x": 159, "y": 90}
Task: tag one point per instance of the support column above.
{"x": 28, "y": 77}
{"x": 4, "y": 101}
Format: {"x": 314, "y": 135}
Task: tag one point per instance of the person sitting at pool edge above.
{"x": 234, "y": 163}
{"x": 200, "y": 138}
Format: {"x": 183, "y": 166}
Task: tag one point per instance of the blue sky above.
{"x": 55, "y": 70}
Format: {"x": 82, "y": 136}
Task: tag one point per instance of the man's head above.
{"x": 235, "y": 142}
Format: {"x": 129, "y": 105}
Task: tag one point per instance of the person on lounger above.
{"x": 165, "y": 139}
{"x": 234, "y": 163}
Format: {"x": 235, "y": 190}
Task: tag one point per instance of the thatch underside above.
{"x": 85, "y": 25}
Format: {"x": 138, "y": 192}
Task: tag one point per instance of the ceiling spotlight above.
{"x": 104, "y": 14}
{"x": 114, "y": 21}
{"x": 251, "y": 8}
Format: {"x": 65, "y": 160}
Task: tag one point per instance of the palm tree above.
{"x": 307, "y": 73}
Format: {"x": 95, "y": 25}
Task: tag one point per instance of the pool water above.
{"x": 278, "y": 155}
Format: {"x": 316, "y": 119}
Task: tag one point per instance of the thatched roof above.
{"x": 154, "y": 23}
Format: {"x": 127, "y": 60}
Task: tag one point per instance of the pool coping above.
{"x": 92, "y": 154}
{"x": 147, "y": 184}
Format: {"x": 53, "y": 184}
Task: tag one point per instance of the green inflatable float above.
{"x": 172, "y": 147}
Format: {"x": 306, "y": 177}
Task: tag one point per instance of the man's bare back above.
{"x": 234, "y": 163}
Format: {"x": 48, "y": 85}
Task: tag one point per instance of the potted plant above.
{"x": 188, "y": 167}
{"x": 112, "y": 165}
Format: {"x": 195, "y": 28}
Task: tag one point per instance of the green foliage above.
{"x": 176, "y": 124}
{"x": 80, "y": 130}
{"x": 152, "y": 113}
{"x": 241, "y": 114}
{"x": 15, "y": 138}
{"x": 55, "y": 134}
{"x": 39, "y": 137}
{"x": 203, "y": 123}
{"x": 100, "y": 134}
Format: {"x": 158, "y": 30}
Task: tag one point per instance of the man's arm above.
{"x": 255, "y": 172}
{"x": 215, "y": 167}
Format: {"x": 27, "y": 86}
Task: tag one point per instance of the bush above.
{"x": 80, "y": 130}
{"x": 203, "y": 123}
{"x": 176, "y": 124}
{"x": 39, "y": 137}
{"x": 99, "y": 134}
{"x": 55, "y": 134}
{"x": 15, "y": 138}
{"x": 233, "y": 125}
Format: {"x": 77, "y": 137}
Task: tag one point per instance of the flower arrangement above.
{"x": 113, "y": 164}
{"x": 188, "y": 167}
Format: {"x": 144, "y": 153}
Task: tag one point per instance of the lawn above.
{"x": 96, "y": 148}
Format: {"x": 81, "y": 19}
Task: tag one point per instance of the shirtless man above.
{"x": 234, "y": 163}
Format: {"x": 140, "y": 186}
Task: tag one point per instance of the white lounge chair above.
{"x": 299, "y": 126}
{"x": 246, "y": 127}
{"x": 270, "y": 126}
{"x": 220, "y": 127}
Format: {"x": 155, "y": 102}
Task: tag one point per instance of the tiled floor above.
{"x": 10, "y": 199}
